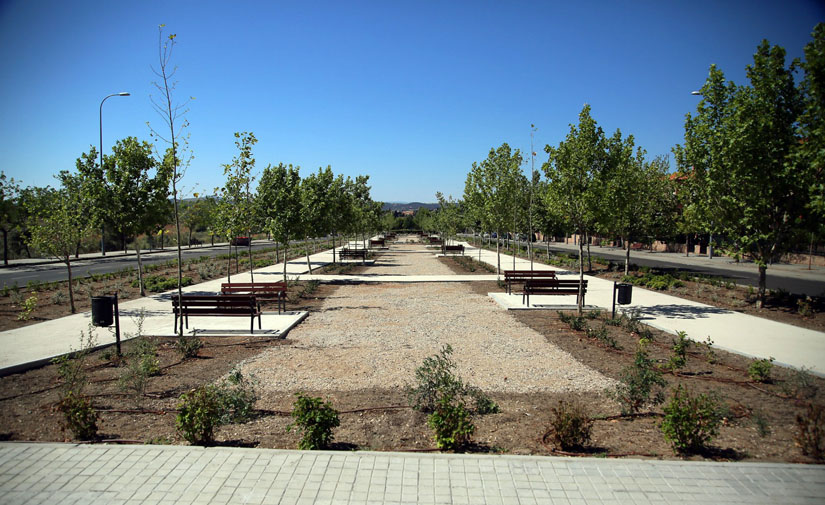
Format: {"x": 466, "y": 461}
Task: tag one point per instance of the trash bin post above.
{"x": 117, "y": 326}
{"x": 104, "y": 312}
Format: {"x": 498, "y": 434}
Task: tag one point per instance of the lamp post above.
{"x": 102, "y": 235}
{"x": 710, "y": 234}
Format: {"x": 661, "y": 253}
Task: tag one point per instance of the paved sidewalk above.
{"x": 732, "y": 331}
{"x": 87, "y": 474}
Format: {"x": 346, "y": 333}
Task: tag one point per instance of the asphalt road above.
{"x": 114, "y": 261}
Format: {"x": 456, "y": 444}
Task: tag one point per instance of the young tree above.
{"x": 58, "y": 220}
{"x": 316, "y": 203}
{"x": 174, "y": 117}
{"x": 340, "y": 208}
{"x": 9, "y": 210}
{"x": 755, "y": 192}
{"x": 573, "y": 171}
{"x": 235, "y": 212}
{"x": 136, "y": 192}
{"x": 279, "y": 203}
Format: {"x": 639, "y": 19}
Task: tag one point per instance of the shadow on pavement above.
{"x": 681, "y": 311}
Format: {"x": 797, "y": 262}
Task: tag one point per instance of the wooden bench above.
{"x": 434, "y": 240}
{"x": 260, "y": 290}
{"x": 553, "y": 287}
{"x": 511, "y": 276}
{"x": 454, "y": 249}
{"x": 377, "y": 242}
{"x": 353, "y": 254}
{"x": 216, "y": 305}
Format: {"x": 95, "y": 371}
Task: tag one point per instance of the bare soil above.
{"x": 380, "y": 418}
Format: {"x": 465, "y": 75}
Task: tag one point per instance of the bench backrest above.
{"x": 216, "y": 301}
{"x": 554, "y": 283}
{"x": 253, "y": 287}
{"x": 526, "y": 274}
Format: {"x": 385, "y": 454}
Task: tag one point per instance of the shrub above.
{"x": 576, "y": 323}
{"x": 571, "y": 425}
{"x": 602, "y": 335}
{"x": 199, "y": 412}
{"x": 800, "y": 384}
{"x": 811, "y": 431}
{"x": 159, "y": 283}
{"x": 237, "y": 397}
{"x": 451, "y": 424}
{"x": 141, "y": 363}
{"x": 803, "y": 307}
{"x": 759, "y": 370}
{"x": 436, "y": 378}
{"x": 691, "y": 421}
{"x": 58, "y": 298}
{"x": 316, "y": 420}
{"x": 27, "y": 308}
{"x": 188, "y": 346}
{"x": 680, "y": 346}
{"x": 637, "y": 383}
{"x": 80, "y": 416}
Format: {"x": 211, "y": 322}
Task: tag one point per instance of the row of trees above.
{"x": 750, "y": 173}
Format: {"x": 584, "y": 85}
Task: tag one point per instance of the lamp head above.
{"x": 695, "y": 92}
{"x": 123, "y": 93}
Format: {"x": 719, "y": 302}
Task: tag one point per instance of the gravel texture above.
{"x": 375, "y": 336}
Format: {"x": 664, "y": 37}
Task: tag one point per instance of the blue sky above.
{"x": 409, "y": 93}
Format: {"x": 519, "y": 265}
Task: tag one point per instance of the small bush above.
{"x": 188, "y": 346}
{"x": 810, "y": 433}
{"x": 27, "y": 308}
{"x": 800, "y": 384}
{"x": 759, "y": 370}
{"x": 571, "y": 426}
{"x": 199, "y": 413}
{"x": 58, "y": 298}
{"x": 237, "y": 396}
{"x": 602, "y": 336}
{"x": 638, "y": 382}
{"x": 483, "y": 404}
{"x": 159, "y": 283}
{"x": 691, "y": 422}
{"x": 141, "y": 363}
{"x": 803, "y": 307}
{"x": 576, "y": 323}
{"x": 451, "y": 424}
{"x": 761, "y": 423}
{"x": 680, "y": 346}
{"x": 79, "y": 415}
{"x": 316, "y": 420}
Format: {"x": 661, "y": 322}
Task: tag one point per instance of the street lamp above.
{"x": 122, "y": 93}
{"x": 710, "y": 235}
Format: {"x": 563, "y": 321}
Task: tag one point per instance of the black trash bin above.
{"x": 624, "y": 293}
{"x": 103, "y": 310}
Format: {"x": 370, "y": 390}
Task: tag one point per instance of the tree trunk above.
{"x": 581, "y": 277}
{"x": 140, "y": 271}
{"x": 760, "y": 300}
{"x": 251, "y": 263}
{"x": 190, "y": 238}
{"x": 229, "y": 265}
{"x": 286, "y": 257}
{"x": 68, "y": 261}
{"x": 277, "y": 256}
{"x": 687, "y": 245}
{"x": 627, "y": 257}
{"x": 77, "y": 250}
{"x": 306, "y": 248}
{"x": 810, "y": 250}
{"x": 333, "y": 247}
{"x": 498, "y": 255}
{"x": 589, "y": 260}
{"x": 6, "y": 247}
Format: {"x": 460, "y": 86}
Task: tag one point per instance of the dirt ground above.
{"x": 760, "y": 423}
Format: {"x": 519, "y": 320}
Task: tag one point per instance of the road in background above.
{"x": 792, "y": 278}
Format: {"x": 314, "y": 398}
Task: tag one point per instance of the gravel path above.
{"x": 376, "y": 335}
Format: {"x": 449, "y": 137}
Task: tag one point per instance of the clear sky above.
{"x": 409, "y": 93}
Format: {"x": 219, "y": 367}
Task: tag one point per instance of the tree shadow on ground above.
{"x": 681, "y": 311}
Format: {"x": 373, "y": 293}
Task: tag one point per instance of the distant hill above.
{"x": 400, "y": 206}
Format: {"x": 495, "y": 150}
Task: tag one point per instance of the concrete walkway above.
{"x": 732, "y": 331}
{"x": 83, "y": 474}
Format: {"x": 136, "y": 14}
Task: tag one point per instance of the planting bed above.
{"x": 360, "y": 347}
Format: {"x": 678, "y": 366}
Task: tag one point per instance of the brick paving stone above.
{"x": 66, "y": 473}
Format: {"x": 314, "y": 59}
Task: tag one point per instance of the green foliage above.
{"x": 237, "y": 395}
{"x": 763, "y": 428}
{"x": 601, "y": 334}
{"x": 141, "y": 363}
{"x": 316, "y": 419}
{"x": 159, "y": 283}
{"x": 680, "y": 346}
{"x": 638, "y": 382}
{"x": 803, "y": 307}
{"x": 810, "y": 433}
{"x": 28, "y": 307}
{"x": 571, "y": 425}
{"x": 79, "y": 415}
{"x": 188, "y": 346}
{"x": 451, "y": 424}
{"x": 199, "y": 413}
{"x": 576, "y": 323}
{"x": 691, "y": 422}
{"x": 435, "y": 378}
{"x": 759, "y": 370}
{"x": 654, "y": 281}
